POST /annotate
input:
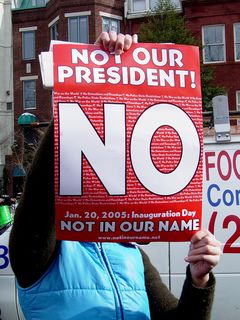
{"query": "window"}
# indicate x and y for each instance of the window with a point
(109, 24)
(139, 5)
(28, 45)
(29, 94)
(238, 104)
(9, 106)
(214, 43)
(146, 5)
(153, 4)
(237, 41)
(38, 2)
(54, 32)
(78, 29)
(53, 26)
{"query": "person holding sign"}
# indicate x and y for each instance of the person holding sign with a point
(88, 280)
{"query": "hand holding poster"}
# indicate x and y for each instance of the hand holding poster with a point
(128, 143)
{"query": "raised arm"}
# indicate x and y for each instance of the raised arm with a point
(32, 240)
(117, 43)
(197, 294)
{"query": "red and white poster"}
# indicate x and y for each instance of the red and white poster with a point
(128, 143)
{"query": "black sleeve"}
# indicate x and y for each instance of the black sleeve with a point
(194, 303)
(32, 240)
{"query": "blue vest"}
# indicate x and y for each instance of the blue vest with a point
(89, 281)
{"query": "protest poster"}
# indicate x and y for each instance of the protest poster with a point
(128, 143)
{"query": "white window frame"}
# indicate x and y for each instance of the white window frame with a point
(24, 80)
(52, 25)
(148, 6)
(55, 20)
(54, 31)
(235, 41)
(77, 14)
(83, 14)
(24, 31)
(216, 44)
(238, 104)
(137, 11)
(34, 3)
(111, 17)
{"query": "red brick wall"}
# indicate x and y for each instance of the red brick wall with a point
(200, 13)
(41, 18)
(43, 110)
(197, 13)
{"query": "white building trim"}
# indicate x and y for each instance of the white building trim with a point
(28, 29)
(109, 15)
(28, 78)
(77, 14)
(53, 21)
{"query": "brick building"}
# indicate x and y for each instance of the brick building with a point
(36, 22)
(217, 25)
(33, 28)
